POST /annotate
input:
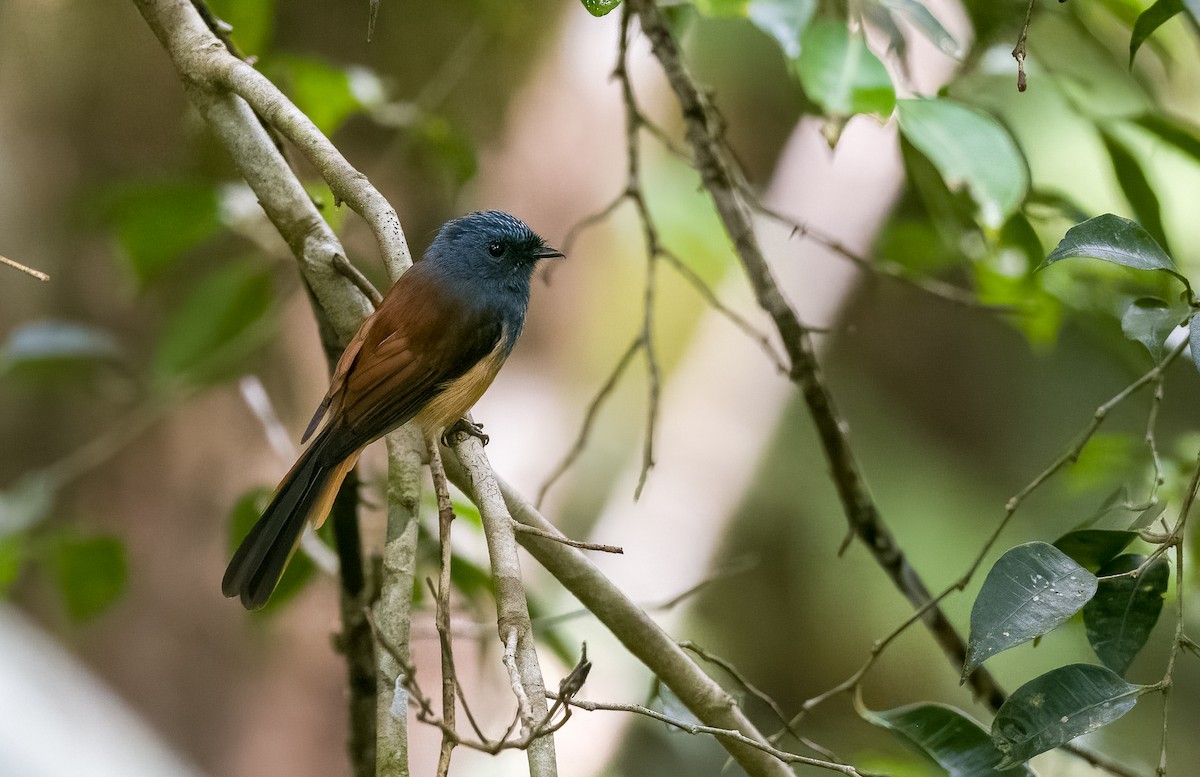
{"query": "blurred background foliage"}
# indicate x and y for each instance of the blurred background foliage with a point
(131, 461)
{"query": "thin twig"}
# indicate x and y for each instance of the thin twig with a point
(1175, 540)
(759, 694)
(933, 286)
(1018, 51)
(723, 733)
(559, 537)
(589, 418)
(442, 593)
(355, 276)
(41, 276)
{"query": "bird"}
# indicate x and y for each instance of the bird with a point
(426, 354)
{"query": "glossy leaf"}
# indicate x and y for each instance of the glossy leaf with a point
(1149, 21)
(600, 7)
(783, 20)
(1093, 548)
(48, 348)
(1030, 590)
(299, 570)
(1053, 709)
(91, 573)
(215, 325)
(971, 151)
(1148, 320)
(1136, 188)
(918, 16)
(1121, 615)
(840, 74)
(157, 222)
(949, 737)
(1111, 238)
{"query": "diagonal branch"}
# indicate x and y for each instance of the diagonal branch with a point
(716, 172)
(629, 623)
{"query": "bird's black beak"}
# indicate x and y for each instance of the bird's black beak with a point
(546, 252)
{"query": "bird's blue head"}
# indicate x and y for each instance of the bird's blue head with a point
(488, 246)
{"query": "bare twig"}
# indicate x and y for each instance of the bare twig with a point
(442, 594)
(1018, 51)
(560, 537)
(41, 276)
(721, 733)
(933, 286)
(589, 418)
(759, 694)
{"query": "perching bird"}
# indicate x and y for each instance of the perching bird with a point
(426, 354)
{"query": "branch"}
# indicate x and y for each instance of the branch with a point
(41, 276)
(716, 172)
(707, 700)
(393, 611)
(721, 733)
(512, 609)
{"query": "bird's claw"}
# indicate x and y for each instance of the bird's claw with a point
(465, 427)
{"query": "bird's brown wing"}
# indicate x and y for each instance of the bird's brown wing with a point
(420, 339)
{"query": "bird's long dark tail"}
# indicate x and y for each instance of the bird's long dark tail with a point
(304, 495)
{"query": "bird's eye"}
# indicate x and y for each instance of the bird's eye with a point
(496, 248)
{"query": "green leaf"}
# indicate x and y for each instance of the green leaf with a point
(1111, 238)
(1148, 320)
(722, 8)
(971, 151)
(919, 16)
(1030, 590)
(156, 222)
(840, 74)
(1149, 21)
(91, 573)
(469, 578)
(56, 348)
(1053, 709)
(451, 147)
(1093, 548)
(253, 23)
(322, 91)
(600, 7)
(1136, 188)
(783, 20)
(215, 326)
(1121, 615)
(1171, 132)
(952, 739)
(1194, 340)
(12, 558)
(298, 571)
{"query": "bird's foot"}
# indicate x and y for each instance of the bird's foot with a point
(466, 427)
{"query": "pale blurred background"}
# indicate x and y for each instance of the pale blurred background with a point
(483, 104)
